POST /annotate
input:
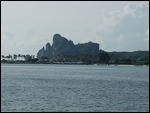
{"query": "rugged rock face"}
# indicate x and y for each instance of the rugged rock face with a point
(88, 48)
(48, 50)
(40, 53)
(62, 46)
(45, 52)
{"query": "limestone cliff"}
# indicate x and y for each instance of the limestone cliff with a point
(63, 46)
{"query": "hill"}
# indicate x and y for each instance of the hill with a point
(63, 46)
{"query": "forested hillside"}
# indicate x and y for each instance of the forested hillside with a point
(136, 57)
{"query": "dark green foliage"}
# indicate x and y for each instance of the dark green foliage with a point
(135, 58)
(103, 57)
(89, 48)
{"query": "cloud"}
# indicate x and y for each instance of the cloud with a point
(118, 29)
(123, 29)
(28, 43)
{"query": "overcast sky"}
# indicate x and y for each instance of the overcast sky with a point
(117, 26)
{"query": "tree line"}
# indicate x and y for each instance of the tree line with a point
(103, 57)
(20, 58)
(135, 58)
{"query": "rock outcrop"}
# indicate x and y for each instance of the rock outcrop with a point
(88, 48)
(63, 46)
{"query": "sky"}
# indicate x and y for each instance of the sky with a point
(26, 26)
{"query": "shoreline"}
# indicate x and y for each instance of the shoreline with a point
(81, 64)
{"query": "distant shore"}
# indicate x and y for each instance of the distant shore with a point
(75, 63)
(102, 58)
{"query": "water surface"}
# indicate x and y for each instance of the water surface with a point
(85, 88)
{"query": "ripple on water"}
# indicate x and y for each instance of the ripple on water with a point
(74, 88)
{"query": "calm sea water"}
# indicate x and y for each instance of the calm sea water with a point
(74, 88)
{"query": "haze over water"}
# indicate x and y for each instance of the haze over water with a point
(74, 88)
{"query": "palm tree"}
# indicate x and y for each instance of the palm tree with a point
(15, 56)
(3, 56)
(19, 56)
(7, 57)
(10, 57)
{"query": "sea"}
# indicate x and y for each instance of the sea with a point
(74, 88)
